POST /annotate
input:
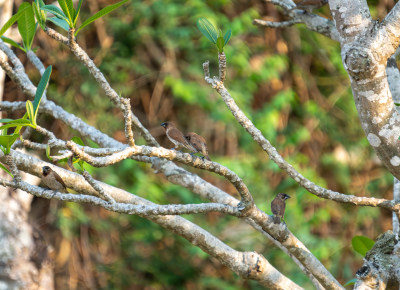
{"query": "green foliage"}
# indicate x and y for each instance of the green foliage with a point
(209, 31)
(350, 282)
(39, 14)
(362, 244)
(26, 25)
(13, 19)
(78, 140)
(101, 13)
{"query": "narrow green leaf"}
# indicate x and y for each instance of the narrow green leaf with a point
(40, 91)
(208, 29)
(14, 123)
(27, 25)
(6, 170)
(101, 13)
(29, 110)
(71, 10)
(78, 140)
(6, 120)
(350, 282)
(7, 141)
(227, 36)
(78, 9)
(362, 244)
(59, 22)
(37, 13)
(65, 9)
(48, 153)
(220, 44)
(55, 11)
(12, 20)
(12, 42)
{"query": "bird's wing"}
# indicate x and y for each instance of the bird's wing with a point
(59, 179)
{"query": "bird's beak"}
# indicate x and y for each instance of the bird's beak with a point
(287, 196)
(163, 124)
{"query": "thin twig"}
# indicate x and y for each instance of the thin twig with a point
(97, 187)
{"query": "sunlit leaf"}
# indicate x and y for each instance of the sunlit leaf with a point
(59, 22)
(220, 44)
(30, 111)
(6, 170)
(26, 24)
(78, 9)
(12, 20)
(55, 11)
(350, 282)
(40, 90)
(12, 42)
(208, 29)
(362, 244)
(78, 140)
(65, 8)
(48, 152)
(227, 36)
(101, 13)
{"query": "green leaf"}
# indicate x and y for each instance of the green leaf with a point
(227, 36)
(78, 9)
(362, 244)
(26, 25)
(40, 90)
(7, 141)
(65, 8)
(208, 29)
(220, 44)
(350, 282)
(101, 13)
(14, 123)
(12, 42)
(78, 140)
(48, 153)
(6, 170)
(71, 10)
(30, 111)
(56, 11)
(38, 15)
(6, 120)
(12, 20)
(59, 22)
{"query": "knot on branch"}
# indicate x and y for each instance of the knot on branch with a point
(360, 63)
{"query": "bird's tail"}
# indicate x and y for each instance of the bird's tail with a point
(277, 220)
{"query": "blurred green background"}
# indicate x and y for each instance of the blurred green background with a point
(291, 84)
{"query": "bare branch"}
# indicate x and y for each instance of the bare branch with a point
(126, 106)
(97, 187)
(272, 24)
(249, 265)
(278, 159)
(101, 80)
(247, 200)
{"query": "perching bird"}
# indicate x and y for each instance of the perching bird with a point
(310, 5)
(176, 137)
(198, 143)
(52, 180)
(278, 207)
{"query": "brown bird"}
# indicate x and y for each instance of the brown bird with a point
(278, 207)
(176, 137)
(310, 5)
(52, 180)
(198, 143)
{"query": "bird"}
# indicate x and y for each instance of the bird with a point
(278, 207)
(310, 5)
(52, 180)
(198, 143)
(176, 137)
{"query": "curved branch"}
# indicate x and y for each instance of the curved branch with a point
(249, 265)
(278, 159)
